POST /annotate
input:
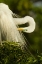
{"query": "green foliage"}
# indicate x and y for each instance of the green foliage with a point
(11, 53)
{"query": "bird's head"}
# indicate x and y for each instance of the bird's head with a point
(31, 26)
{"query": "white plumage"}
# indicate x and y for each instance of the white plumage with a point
(9, 30)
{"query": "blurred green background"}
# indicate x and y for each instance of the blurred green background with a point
(32, 8)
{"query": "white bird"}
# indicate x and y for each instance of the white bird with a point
(8, 26)
(26, 19)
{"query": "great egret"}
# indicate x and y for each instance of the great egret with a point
(8, 26)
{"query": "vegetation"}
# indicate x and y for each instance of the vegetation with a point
(11, 53)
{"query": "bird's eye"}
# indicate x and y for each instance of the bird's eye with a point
(24, 30)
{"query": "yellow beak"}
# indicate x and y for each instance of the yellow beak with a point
(20, 29)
